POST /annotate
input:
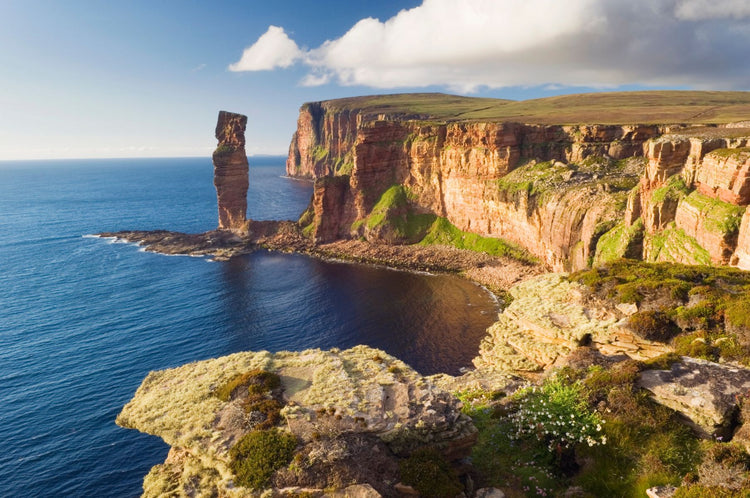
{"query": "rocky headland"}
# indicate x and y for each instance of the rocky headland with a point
(635, 364)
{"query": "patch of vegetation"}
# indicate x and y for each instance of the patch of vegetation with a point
(673, 244)
(621, 241)
(727, 153)
(253, 382)
(645, 444)
(444, 232)
(319, 153)
(605, 108)
(653, 325)
(720, 216)
(710, 305)
(393, 214)
(559, 417)
(533, 178)
(223, 150)
(674, 189)
(427, 471)
(256, 456)
(662, 362)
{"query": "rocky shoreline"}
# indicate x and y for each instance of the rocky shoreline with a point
(493, 272)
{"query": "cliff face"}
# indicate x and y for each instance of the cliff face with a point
(230, 171)
(553, 189)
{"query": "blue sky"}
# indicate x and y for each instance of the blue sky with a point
(147, 78)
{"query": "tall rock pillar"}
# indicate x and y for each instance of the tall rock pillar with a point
(230, 172)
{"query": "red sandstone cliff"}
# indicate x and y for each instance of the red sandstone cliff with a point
(554, 189)
(231, 171)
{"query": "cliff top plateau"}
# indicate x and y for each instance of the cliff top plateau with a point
(644, 107)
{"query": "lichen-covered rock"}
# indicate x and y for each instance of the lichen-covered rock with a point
(548, 319)
(231, 171)
(705, 392)
(327, 394)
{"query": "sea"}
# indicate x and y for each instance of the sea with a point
(84, 319)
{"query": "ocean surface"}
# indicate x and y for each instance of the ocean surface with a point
(83, 320)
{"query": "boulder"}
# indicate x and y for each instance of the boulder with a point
(705, 392)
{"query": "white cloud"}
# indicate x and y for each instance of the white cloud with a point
(273, 49)
(467, 44)
(695, 10)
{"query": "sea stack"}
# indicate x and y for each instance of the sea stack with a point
(230, 172)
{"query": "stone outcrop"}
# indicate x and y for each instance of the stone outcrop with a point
(704, 392)
(335, 403)
(549, 318)
(231, 171)
(553, 189)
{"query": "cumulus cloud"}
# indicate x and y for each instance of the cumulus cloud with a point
(467, 44)
(274, 49)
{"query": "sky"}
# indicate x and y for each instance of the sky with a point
(146, 78)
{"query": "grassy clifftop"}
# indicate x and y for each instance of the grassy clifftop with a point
(645, 107)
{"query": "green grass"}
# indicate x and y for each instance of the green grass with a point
(672, 245)
(674, 189)
(619, 242)
(721, 217)
(645, 444)
(643, 107)
(259, 454)
(444, 232)
(393, 212)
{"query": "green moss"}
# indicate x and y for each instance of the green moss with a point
(646, 444)
(533, 178)
(429, 473)
(710, 304)
(319, 153)
(393, 212)
(444, 232)
(253, 382)
(307, 217)
(259, 454)
(737, 311)
(674, 189)
(621, 241)
(720, 216)
(672, 244)
(223, 150)
(653, 325)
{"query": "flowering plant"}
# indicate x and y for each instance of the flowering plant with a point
(557, 414)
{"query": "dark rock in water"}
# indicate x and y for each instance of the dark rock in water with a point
(231, 171)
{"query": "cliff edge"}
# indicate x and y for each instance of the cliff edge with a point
(659, 176)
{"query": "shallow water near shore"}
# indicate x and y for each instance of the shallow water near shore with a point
(83, 320)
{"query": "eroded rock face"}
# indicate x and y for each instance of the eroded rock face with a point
(455, 170)
(336, 402)
(231, 171)
(705, 392)
(725, 175)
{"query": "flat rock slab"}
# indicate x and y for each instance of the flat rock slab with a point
(703, 391)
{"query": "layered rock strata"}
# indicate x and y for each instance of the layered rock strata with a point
(554, 189)
(231, 171)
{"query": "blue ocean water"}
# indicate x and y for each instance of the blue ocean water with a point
(83, 320)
